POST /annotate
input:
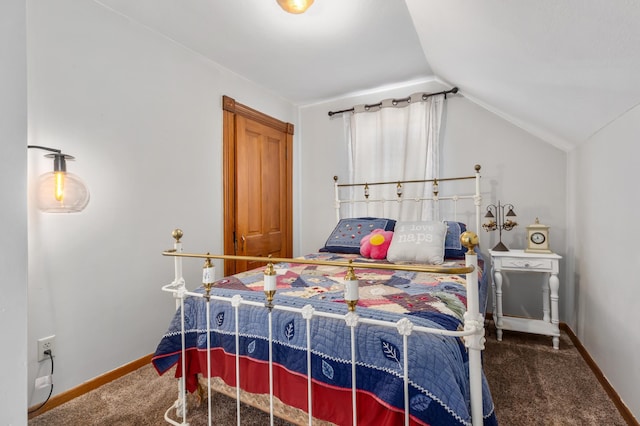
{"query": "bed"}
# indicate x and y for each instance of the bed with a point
(343, 338)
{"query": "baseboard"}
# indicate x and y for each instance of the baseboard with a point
(90, 385)
(627, 415)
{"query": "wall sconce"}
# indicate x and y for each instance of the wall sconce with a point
(60, 191)
(496, 217)
(295, 6)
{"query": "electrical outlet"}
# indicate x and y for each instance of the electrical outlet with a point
(46, 344)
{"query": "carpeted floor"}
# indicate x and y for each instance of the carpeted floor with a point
(141, 398)
(534, 384)
(531, 384)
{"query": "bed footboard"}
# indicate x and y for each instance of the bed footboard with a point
(403, 408)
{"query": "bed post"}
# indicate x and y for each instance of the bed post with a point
(477, 199)
(337, 198)
(473, 321)
(178, 284)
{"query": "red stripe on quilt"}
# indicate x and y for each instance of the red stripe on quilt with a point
(330, 403)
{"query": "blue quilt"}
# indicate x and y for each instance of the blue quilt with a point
(439, 387)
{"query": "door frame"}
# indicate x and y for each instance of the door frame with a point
(231, 109)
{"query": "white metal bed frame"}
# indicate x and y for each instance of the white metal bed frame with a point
(435, 196)
(473, 333)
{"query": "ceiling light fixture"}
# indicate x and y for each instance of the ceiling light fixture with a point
(60, 191)
(295, 6)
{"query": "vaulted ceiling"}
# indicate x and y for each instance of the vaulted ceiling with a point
(560, 69)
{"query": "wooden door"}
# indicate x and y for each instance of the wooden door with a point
(258, 182)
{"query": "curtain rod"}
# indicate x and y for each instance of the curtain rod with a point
(395, 101)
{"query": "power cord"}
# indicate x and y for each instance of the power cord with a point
(47, 352)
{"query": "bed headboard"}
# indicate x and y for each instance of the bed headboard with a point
(430, 199)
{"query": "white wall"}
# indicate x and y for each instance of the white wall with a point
(143, 117)
(13, 215)
(517, 168)
(607, 285)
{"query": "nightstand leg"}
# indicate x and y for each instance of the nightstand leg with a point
(493, 296)
(545, 301)
(498, 286)
(554, 285)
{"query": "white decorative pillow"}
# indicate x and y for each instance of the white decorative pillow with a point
(418, 242)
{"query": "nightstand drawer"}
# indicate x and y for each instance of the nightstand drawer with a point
(520, 264)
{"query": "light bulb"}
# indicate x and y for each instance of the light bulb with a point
(58, 191)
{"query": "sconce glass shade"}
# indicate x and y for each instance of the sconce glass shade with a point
(61, 192)
(295, 6)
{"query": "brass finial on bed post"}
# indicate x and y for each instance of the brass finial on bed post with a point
(177, 234)
(469, 240)
(351, 295)
(269, 284)
(207, 278)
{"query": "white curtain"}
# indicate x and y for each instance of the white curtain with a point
(393, 143)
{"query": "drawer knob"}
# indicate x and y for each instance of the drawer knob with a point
(526, 265)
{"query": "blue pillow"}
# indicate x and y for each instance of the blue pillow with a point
(347, 234)
(453, 248)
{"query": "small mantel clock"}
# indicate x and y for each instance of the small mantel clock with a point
(537, 238)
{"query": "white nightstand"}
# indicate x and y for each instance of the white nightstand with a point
(519, 260)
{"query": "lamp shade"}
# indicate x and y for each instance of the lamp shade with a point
(61, 192)
(295, 6)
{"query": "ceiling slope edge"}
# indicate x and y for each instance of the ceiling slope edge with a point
(192, 51)
(373, 91)
(538, 132)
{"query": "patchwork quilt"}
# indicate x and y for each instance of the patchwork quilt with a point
(438, 366)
